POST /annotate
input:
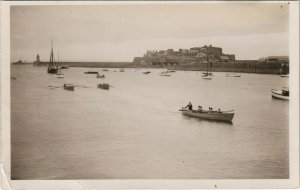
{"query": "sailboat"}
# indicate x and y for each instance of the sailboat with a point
(52, 67)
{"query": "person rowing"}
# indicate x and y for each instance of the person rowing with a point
(189, 106)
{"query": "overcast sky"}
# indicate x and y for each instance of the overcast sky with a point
(122, 32)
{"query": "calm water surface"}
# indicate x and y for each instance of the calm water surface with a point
(135, 131)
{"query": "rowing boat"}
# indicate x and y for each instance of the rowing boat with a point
(69, 87)
(104, 86)
(210, 115)
(280, 94)
(100, 76)
(164, 74)
(206, 77)
(91, 72)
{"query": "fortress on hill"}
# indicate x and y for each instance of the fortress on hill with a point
(184, 56)
(202, 58)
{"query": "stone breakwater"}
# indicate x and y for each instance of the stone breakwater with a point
(243, 66)
(237, 66)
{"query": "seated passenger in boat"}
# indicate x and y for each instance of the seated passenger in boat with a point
(285, 93)
(219, 111)
(200, 108)
(189, 106)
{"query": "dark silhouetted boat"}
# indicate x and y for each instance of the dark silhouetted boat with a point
(91, 72)
(69, 87)
(100, 76)
(104, 86)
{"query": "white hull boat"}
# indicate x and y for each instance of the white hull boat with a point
(233, 75)
(285, 75)
(280, 94)
(60, 76)
(206, 77)
(210, 115)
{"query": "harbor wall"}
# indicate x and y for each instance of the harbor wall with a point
(243, 66)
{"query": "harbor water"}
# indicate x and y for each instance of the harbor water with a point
(135, 130)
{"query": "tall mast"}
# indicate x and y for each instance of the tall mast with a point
(207, 60)
(51, 55)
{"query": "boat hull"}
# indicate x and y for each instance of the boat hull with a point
(52, 70)
(232, 75)
(103, 86)
(206, 77)
(68, 87)
(64, 67)
(285, 76)
(209, 115)
(91, 72)
(278, 94)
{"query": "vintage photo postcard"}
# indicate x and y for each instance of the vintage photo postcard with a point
(162, 94)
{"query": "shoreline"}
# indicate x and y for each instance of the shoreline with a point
(176, 68)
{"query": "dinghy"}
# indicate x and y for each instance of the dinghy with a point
(280, 94)
(69, 87)
(104, 86)
(100, 76)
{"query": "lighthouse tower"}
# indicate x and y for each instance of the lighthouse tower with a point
(37, 58)
(37, 61)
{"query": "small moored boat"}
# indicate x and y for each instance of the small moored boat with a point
(100, 76)
(233, 75)
(104, 86)
(64, 67)
(146, 72)
(69, 86)
(60, 76)
(91, 72)
(210, 115)
(164, 74)
(105, 70)
(285, 75)
(206, 77)
(207, 74)
(122, 70)
(280, 94)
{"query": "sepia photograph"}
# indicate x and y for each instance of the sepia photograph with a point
(169, 91)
